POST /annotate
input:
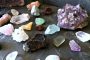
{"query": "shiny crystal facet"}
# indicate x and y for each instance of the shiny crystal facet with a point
(83, 36)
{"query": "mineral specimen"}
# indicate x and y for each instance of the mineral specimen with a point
(83, 36)
(12, 55)
(36, 3)
(37, 42)
(4, 19)
(74, 46)
(58, 41)
(51, 29)
(20, 18)
(39, 27)
(10, 3)
(72, 17)
(19, 35)
(39, 21)
(7, 29)
(35, 11)
(47, 11)
(52, 57)
(27, 26)
(14, 12)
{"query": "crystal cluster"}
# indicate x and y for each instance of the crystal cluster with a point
(19, 35)
(74, 46)
(72, 17)
(20, 18)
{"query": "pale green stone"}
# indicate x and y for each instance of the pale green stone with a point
(58, 41)
(39, 21)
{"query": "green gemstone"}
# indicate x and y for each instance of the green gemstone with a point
(58, 41)
(39, 21)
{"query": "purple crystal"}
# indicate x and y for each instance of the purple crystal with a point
(72, 17)
(74, 46)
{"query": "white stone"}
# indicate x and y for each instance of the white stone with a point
(12, 55)
(25, 47)
(83, 36)
(14, 12)
(19, 35)
(20, 18)
(52, 57)
(51, 29)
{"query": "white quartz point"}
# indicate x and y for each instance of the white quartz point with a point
(20, 18)
(51, 29)
(35, 11)
(12, 55)
(52, 57)
(19, 35)
(83, 36)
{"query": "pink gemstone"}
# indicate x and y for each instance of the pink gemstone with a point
(7, 29)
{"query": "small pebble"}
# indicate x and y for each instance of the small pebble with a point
(14, 12)
(47, 11)
(39, 27)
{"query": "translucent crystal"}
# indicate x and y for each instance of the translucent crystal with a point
(51, 29)
(20, 18)
(7, 29)
(74, 46)
(35, 11)
(19, 35)
(14, 12)
(58, 41)
(52, 57)
(83, 36)
(12, 55)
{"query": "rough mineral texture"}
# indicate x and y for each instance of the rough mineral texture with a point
(37, 42)
(72, 17)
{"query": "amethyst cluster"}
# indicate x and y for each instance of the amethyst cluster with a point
(72, 17)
